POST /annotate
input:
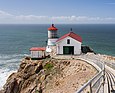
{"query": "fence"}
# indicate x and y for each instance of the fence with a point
(112, 65)
(96, 84)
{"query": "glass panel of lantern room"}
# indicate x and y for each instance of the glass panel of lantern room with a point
(54, 34)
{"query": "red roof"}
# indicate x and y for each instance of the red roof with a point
(72, 35)
(37, 49)
(52, 28)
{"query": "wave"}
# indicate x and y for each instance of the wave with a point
(3, 56)
(4, 74)
(8, 65)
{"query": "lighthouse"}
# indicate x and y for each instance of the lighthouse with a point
(52, 37)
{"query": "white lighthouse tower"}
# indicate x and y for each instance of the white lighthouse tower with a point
(52, 37)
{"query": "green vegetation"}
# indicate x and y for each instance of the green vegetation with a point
(36, 91)
(48, 66)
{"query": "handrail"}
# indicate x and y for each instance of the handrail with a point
(88, 83)
(112, 65)
(98, 78)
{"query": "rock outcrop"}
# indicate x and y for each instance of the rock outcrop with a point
(87, 49)
(49, 76)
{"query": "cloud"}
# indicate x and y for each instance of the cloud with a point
(4, 14)
(30, 17)
(83, 19)
(7, 18)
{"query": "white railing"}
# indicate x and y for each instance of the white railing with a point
(96, 84)
(112, 65)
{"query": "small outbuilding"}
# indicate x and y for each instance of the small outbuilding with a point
(38, 52)
(69, 44)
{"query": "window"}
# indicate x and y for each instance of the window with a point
(68, 41)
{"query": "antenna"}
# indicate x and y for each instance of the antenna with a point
(52, 25)
(71, 29)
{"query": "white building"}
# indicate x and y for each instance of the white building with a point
(38, 52)
(69, 44)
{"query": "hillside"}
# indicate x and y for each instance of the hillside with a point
(49, 76)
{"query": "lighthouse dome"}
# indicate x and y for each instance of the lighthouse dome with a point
(52, 28)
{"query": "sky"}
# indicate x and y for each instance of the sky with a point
(57, 11)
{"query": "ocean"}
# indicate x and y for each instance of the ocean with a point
(16, 40)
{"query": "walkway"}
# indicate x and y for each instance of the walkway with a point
(109, 84)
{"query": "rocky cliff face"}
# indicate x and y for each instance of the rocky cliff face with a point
(49, 76)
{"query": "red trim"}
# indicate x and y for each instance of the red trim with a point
(72, 35)
(52, 28)
(37, 49)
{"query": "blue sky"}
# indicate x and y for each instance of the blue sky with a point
(57, 11)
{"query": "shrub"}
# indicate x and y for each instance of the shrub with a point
(48, 66)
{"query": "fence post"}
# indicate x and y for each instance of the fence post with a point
(103, 75)
(90, 87)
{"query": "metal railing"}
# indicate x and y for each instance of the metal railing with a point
(96, 84)
(110, 64)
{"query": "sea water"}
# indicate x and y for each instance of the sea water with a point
(16, 40)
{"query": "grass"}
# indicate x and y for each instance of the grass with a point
(48, 66)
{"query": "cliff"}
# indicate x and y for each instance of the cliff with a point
(49, 76)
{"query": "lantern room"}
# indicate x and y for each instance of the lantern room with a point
(52, 32)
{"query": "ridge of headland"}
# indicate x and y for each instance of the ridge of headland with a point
(49, 76)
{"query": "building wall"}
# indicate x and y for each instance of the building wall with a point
(52, 41)
(73, 42)
(37, 54)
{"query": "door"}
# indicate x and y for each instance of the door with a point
(68, 50)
